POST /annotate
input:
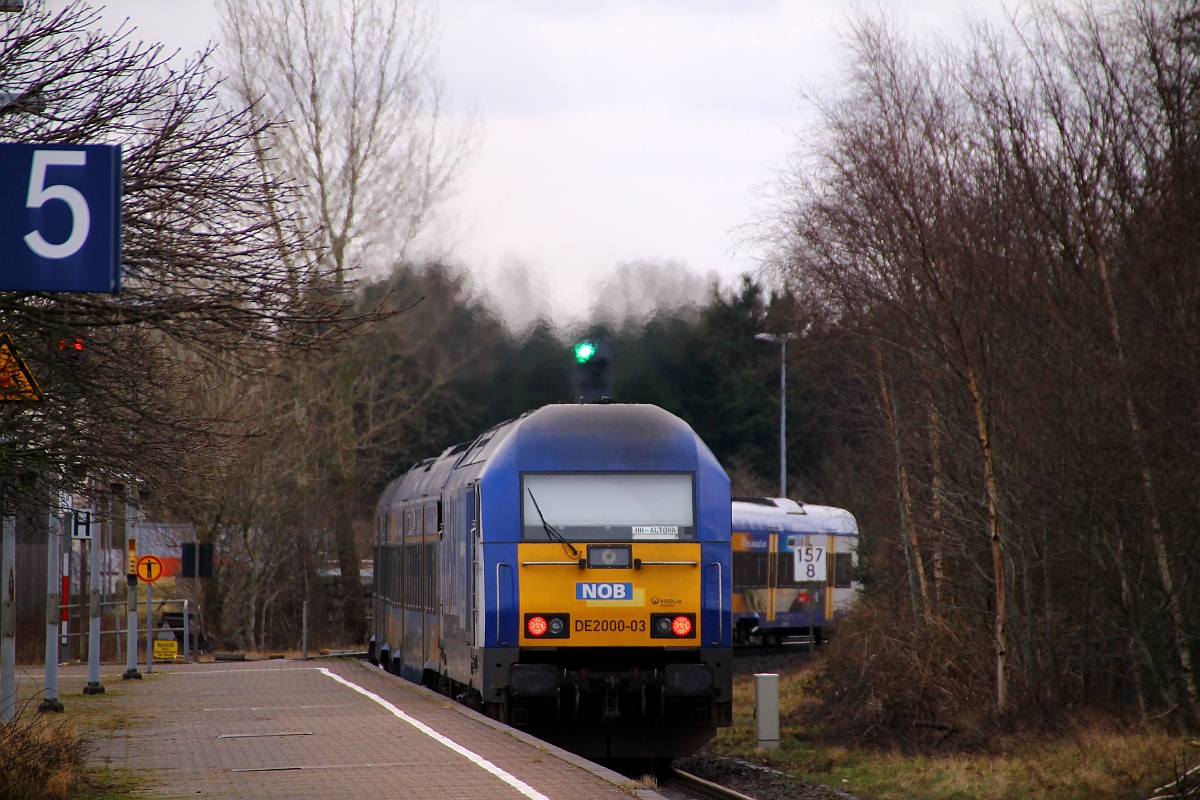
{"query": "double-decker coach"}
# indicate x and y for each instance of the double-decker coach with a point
(793, 568)
(569, 572)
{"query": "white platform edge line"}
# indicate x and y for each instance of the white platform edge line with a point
(511, 780)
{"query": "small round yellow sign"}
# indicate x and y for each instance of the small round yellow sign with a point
(149, 569)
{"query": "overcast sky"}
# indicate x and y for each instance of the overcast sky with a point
(612, 130)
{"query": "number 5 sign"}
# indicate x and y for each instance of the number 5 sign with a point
(60, 218)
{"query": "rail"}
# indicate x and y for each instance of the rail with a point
(680, 785)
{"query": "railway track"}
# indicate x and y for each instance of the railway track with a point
(679, 785)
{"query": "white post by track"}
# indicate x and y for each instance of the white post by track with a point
(187, 627)
(8, 619)
(55, 532)
(766, 710)
(93, 685)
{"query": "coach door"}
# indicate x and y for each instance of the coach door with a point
(471, 542)
(414, 629)
(429, 584)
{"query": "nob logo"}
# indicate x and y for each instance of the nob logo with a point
(603, 591)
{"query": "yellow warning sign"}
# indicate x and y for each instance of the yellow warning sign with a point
(17, 384)
(149, 569)
(165, 649)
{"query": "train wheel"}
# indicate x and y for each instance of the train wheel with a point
(498, 711)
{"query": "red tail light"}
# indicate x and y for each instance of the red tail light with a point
(548, 626)
(672, 626)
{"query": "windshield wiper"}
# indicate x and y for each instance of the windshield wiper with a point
(551, 531)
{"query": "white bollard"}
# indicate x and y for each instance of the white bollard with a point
(766, 709)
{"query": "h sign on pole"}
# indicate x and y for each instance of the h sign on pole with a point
(60, 218)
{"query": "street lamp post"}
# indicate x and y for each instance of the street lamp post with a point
(782, 340)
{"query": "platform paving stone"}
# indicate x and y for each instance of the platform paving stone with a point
(284, 729)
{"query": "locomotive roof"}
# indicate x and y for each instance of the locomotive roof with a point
(787, 516)
(596, 436)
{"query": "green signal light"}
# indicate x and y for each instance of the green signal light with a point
(584, 352)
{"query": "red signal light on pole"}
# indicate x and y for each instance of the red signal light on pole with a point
(70, 348)
(537, 626)
(681, 626)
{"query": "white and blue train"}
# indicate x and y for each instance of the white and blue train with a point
(794, 568)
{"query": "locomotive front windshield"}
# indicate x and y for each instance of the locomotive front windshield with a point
(608, 506)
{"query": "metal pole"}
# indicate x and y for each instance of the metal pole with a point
(8, 619)
(812, 622)
(782, 339)
(131, 625)
(112, 564)
(56, 529)
(149, 628)
(304, 637)
(64, 652)
(187, 649)
(783, 417)
(93, 685)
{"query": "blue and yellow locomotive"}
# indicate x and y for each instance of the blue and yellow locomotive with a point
(569, 572)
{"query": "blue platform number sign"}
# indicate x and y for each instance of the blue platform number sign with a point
(60, 218)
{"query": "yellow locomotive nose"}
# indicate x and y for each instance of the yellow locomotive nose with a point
(644, 594)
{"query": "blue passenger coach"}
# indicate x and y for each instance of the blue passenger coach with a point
(568, 572)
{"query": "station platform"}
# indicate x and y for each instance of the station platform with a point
(321, 730)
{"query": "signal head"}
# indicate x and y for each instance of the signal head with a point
(584, 352)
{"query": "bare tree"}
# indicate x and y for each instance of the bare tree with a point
(363, 129)
(1011, 224)
(206, 285)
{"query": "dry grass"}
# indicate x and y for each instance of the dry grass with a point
(1093, 758)
(40, 758)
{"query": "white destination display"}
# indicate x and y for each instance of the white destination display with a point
(656, 531)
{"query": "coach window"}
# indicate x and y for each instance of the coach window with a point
(609, 506)
(843, 564)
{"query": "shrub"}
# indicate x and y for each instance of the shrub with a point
(40, 759)
(885, 681)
